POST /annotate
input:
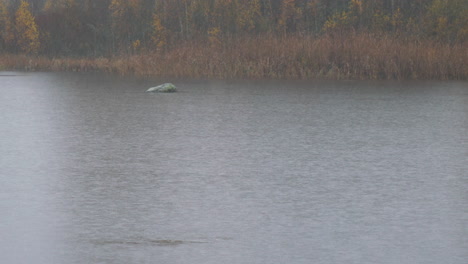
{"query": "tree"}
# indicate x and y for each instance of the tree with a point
(159, 33)
(125, 15)
(6, 28)
(289, 17)
(312, 15)
(58, 4)
(27, 34)
(249, 11)
(63, 29)
(199, 16)
(448, 20)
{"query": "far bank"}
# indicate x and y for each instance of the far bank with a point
(357, 56)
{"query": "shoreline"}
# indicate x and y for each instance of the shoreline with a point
(353, 57)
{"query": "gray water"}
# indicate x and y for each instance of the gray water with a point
(95, 170)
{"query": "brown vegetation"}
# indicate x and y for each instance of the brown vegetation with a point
(354, 56)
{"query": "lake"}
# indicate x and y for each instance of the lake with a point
(95, 170)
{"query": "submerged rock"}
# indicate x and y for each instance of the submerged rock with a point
(163, 88)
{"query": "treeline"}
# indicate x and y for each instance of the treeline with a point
(106, 27)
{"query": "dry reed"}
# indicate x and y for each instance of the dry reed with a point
(358, 56)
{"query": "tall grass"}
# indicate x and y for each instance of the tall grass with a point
(355, 56)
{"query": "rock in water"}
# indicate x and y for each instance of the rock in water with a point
(163, 88)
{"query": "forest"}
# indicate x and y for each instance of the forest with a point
(240, 39)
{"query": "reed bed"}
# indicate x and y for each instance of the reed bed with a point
(355, 56)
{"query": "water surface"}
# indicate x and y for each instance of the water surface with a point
(95, 170)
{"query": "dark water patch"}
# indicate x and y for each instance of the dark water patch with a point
(149, 242)
(10, 75)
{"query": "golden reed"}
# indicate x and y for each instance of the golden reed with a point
(353, 56)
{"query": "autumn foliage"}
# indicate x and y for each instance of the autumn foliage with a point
(27, 34)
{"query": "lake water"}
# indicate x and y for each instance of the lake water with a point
(95, 170)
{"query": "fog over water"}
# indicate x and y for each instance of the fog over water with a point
(95, 170)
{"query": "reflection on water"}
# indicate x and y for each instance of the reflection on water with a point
(95, 170)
